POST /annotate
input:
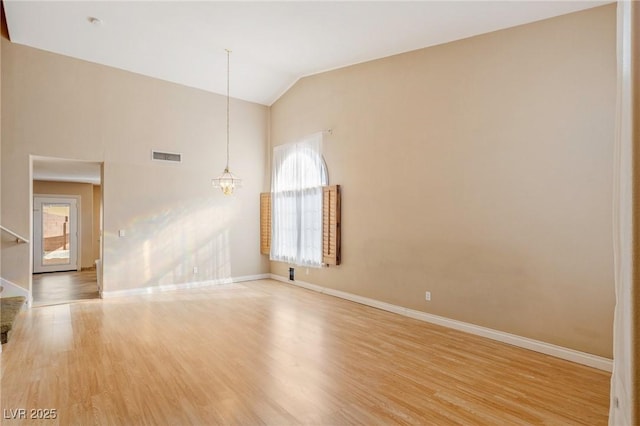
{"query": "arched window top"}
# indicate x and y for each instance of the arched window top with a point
(301, 170)
(299, 166)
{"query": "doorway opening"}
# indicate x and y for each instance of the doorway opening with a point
(54, 288)
(66, 230)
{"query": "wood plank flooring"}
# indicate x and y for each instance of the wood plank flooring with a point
(63, 287)
(264, 352)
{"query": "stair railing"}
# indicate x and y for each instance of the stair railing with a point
(19, 238)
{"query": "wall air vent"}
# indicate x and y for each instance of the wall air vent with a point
(166, 156)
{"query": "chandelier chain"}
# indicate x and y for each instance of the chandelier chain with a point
(227, 181)
(228, 58)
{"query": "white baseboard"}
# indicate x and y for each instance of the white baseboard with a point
(584, 358)
(10, 289)
(183, 286)
(251, 278)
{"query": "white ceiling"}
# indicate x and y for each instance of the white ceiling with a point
(274, 43)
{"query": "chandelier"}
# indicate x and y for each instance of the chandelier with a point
(227, 181)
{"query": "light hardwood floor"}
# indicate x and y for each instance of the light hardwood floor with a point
(63, 287)
(264, 352)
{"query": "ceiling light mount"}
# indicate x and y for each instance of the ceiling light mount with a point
(94, 21)
(227, 181)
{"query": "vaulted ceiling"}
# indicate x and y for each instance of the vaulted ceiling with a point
(274, 43)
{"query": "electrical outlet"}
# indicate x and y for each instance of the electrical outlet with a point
(427, 296)
(195, 269)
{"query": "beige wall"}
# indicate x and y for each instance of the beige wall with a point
(479, 170)
(85, 192)
(173, 219)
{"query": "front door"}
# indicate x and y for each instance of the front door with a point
(55, 234)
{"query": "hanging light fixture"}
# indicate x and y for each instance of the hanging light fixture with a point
(227, 181)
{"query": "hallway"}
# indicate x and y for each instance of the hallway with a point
(64, 287)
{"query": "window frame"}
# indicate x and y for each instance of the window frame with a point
(300, 241)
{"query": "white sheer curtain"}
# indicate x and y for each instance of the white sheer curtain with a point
(298, 174)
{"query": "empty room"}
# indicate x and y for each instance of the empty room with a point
(283, 213)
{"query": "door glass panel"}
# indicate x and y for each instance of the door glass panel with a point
(55, 234)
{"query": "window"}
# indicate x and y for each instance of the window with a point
(298, 175)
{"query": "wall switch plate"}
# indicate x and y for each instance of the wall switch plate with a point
(121, 233)
(195, 269)
(427, 296)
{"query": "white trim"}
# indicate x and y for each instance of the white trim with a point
(579, 357)
(30, 213)
(251, 278)
(183, 286)
(11, 289)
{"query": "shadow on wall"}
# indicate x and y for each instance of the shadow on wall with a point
(176, 245)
